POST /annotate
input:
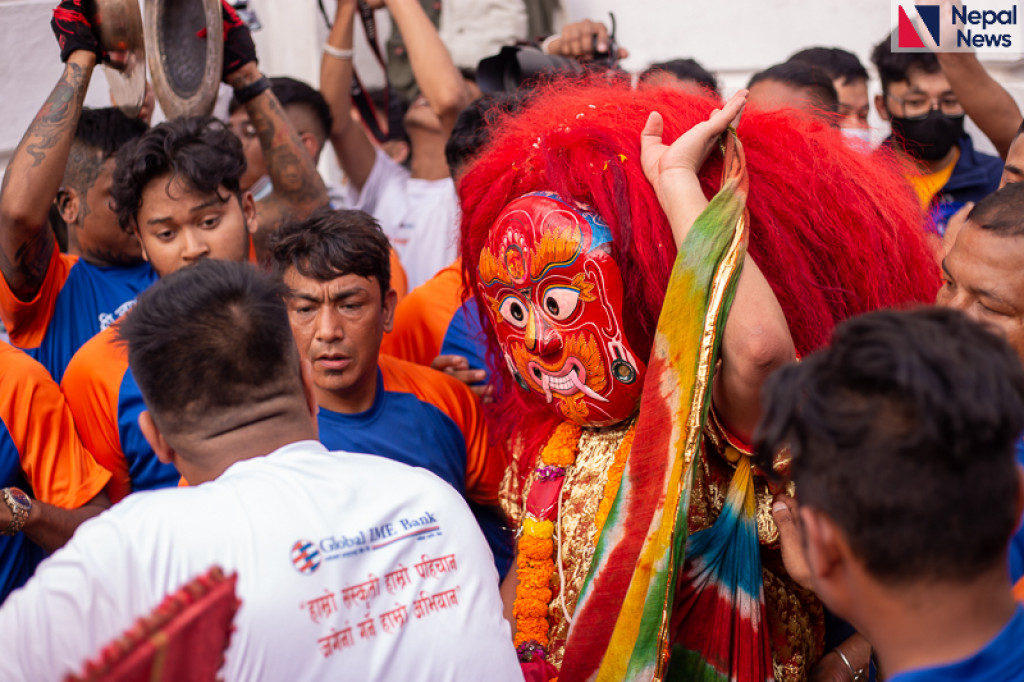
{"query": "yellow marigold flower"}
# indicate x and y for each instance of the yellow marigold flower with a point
(537, 529)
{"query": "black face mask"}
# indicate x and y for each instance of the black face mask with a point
(929, 138)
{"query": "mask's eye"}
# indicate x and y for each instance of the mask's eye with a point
(513, 310)
(560, 302)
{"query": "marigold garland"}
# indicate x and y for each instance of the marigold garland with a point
(535, 564)
(611, 486)
(563, 446)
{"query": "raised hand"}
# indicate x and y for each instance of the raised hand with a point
(73, 30)
(672, 168)
(239, 49)
(689, 151)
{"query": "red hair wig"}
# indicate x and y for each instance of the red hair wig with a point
(835, 231)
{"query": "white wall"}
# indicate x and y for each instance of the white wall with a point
(733, 38)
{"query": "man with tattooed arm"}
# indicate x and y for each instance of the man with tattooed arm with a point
(177, 190)
(52, 303)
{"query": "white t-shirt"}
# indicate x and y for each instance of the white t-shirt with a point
(420, 217)
(349, 567)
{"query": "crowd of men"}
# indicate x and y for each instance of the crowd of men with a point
(203, 334)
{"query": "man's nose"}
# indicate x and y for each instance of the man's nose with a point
(195, 245)
(328, 326)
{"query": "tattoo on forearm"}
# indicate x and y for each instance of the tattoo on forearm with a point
(25, 274)
(53, 120)
(291, 169)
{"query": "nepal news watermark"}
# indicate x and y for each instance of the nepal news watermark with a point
(987, 27)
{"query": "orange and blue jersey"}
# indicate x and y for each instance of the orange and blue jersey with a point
(428, 419)
(40, 452)
(75, 302)
(422, 317)
(106, 403)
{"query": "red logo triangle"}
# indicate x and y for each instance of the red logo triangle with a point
(907, 34)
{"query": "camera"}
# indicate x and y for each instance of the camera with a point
(516, 64)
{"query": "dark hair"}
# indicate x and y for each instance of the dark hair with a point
(473, 126)
(1001, 212)
(209, 338)
(99, 135)
(835, 62)
(330, 244)
(903, 432)
(684, 69)
(291, 92)
(802, 75)
(200, 150)
(894, 67)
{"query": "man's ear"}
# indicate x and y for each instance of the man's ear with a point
(880, 107)
(67, 203)
(390, 302)
(311, 144)
(249, 212)
(164, 452)
(824, 545)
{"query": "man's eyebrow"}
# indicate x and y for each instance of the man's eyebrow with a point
(337, 296)
(1010, 168)
(347, 293)
(212, 201)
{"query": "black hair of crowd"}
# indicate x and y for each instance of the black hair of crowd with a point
(903, 432)
(333, 243)
(201, 151)
(802, 75)
(1001, 212)
(836, 62)
(107, 130)
(209, 337)
(472, 129)
(684, 69)
(895, 67)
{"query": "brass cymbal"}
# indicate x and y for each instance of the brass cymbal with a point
(119, 26)
(185, 68)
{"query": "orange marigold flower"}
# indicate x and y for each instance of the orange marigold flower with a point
(529, 608)
(563, 446)
(540, 594)
(532, 628)
(535, 580)
(537, 549)
(524, 561)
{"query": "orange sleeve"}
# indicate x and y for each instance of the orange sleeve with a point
(1018, 591)
(57, 465)
(27, 321)
(91, 384)
(485, 466)
(422, 317)
(399, 280)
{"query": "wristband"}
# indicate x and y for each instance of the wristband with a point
(252, 90)
(545, 46)
(338, 52)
